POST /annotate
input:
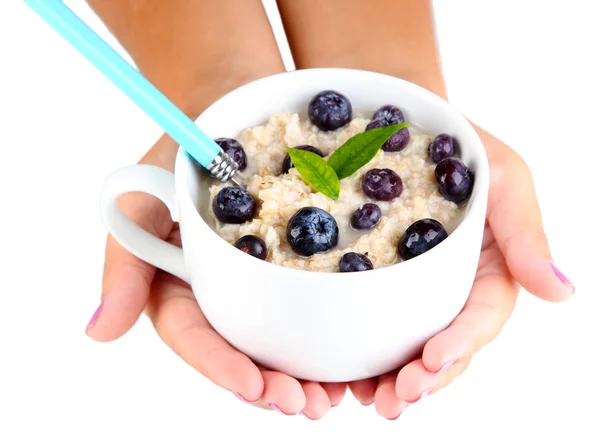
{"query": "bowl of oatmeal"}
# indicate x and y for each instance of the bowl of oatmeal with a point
(376, 205)
(309, 268)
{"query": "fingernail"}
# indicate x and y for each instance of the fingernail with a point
(311, 419)
(95, 316)
(274, 407)
(241, 397)
(446, 366)
(367, 404)
(396, 417)
(562, 277)
(425, 394)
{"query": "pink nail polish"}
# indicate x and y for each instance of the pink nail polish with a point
(562, 277)
(311, 419)
(274, 407)
(396, 417)
(446, 366)
(425, 394)
(241, 397)
(95, 316)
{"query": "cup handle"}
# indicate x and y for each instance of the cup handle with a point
(144, 245)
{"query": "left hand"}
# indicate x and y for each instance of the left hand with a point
(514, 252)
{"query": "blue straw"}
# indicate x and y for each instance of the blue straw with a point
(145, 95)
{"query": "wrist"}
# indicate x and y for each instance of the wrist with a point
(192, 51)
(426, 74)
(429, 77)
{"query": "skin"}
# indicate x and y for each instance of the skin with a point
(196, 51)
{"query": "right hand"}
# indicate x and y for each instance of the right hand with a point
(131, 286)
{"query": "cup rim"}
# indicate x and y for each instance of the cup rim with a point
(478, 197)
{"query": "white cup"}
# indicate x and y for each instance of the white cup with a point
(326, 327)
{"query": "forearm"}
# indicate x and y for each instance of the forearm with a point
(393, 37)
(193, 51)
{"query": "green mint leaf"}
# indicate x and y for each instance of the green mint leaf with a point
(316, 172)
(360, 149)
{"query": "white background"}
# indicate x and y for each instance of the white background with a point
(526, 70)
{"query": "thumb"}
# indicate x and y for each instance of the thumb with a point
(127, 279)
(516, 222)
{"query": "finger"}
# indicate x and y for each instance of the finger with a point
(488, 307)
(180, 323)
(387, 403)
(516, 222)
(126, 279)
(448, 375)
(364, 390)
(317, 401)
(335, 392)
(282, 393)
(414, 381)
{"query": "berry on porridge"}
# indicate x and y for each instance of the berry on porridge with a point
(329, 110)
(366, 217)
(420, 237)
(455, 180)
(390, 115)
(252, 245)
(382, 184)
(233, 205)
(340, 191)
(234, 149)
(355, 262)
(312, 230)
(441, 147)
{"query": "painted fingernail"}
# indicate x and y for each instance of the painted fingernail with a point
(425, 394)
(241, 397)
(95, 316)
(446, 366)
(562, 277)
(274, 407)
(311, 419)
(396, 417)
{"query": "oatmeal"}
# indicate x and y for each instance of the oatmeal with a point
(279, 196)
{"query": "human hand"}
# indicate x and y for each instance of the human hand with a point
(514, 252)
(131, 286)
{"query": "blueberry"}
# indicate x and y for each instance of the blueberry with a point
(455, 180)
(397, 142)
(382, 184)
(442, 146)
(312, 230)
(329, 110)
(252, 245)
(234, 149)
(355, 262)
(287, 161)
(399, 139)
(392, 114)
(420, 237)
(377, 123)
(366, 217)
(234, 205)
